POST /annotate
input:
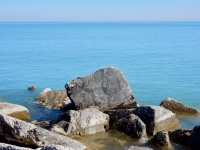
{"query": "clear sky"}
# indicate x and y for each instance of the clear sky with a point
(99, 10)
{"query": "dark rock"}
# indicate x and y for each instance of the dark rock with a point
(161, 140)
(57, 98)
(31, 88)
(177, 107)
(156, 118)
(188, 138)
(21, 132)
(87, 121)
(137, 148)
(131, 125)
(14, 110)
(104, 89)
(115, 115)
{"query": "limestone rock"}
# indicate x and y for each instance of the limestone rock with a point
(177, 107)
(14, 110)
(55, 98)
(156, 118)
(104, 89)
(161, 140)
(131, 125)
(31, 88)
(21, 132)
(117, 114)
(55, 147)
(4, 146)
(87, 121)
(137, 148)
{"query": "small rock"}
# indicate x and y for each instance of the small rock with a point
(161, 140)
(31, 88)
(131, 125)
(137, 148)
(177, 107)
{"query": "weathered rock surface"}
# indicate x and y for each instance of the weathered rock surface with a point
(4, 146)
(55, 98)
(87, 121)
(64, 128)
(55, 147)
(117, 114)
(104, 89)
(40, 124)
(188, 138)
(24, 133)
(156, 118)
(131, 125)
(137, 148)
(14, 110)
(31, 88)
(161, 140)
(177, 107)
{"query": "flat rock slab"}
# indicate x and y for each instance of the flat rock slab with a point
(14, 110)
(15, 130)
(105, 89)
(156, 118)
(86, 121)
(178, 108)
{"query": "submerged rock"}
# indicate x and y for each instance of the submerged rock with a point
(104, 89)
(177, 107)
(137, 148)
(24, 133)
(86, 121)
(161, 140)
(31, 88)
(156, 118)
(14, 110)
(131, 125)
(55, 98)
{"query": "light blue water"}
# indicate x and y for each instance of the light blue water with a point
(159, 60)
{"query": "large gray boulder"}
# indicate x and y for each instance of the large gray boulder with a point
(131, 125)
(24, 133)
(117, 114)
(14, 110)
(156, 118)
(86, 121)
(56, 98)
(105, 89)
(177, 108)
(55, 147)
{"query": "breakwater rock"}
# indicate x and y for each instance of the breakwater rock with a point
(17, 131)
(14, 110)
(105, 89)
(178, 108)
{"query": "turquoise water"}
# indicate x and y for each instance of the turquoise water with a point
(159, 60)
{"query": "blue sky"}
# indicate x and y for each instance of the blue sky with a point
(99, 10)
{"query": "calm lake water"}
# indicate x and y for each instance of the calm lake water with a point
(158, 59)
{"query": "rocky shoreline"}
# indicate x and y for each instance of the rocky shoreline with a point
(94, 104)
